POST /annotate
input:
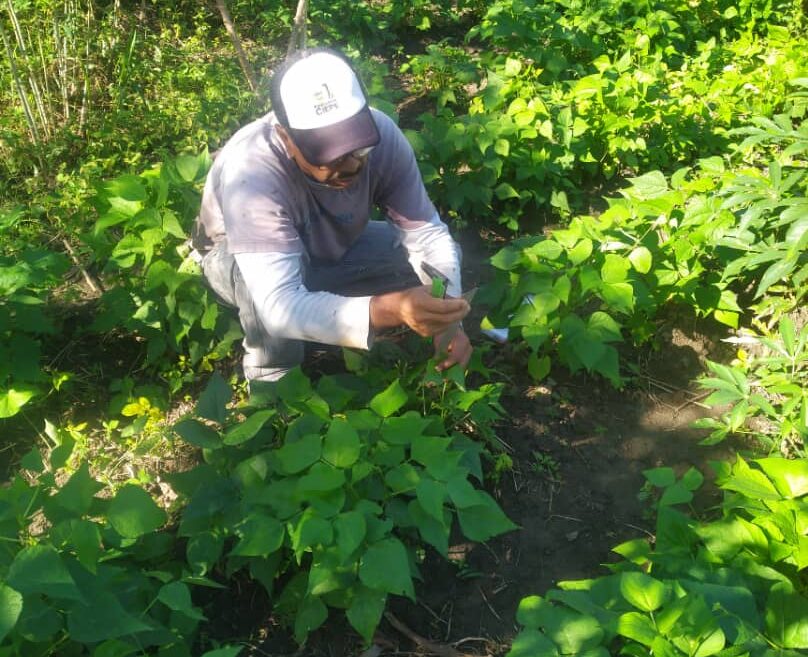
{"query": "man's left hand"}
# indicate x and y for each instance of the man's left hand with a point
(457, 351)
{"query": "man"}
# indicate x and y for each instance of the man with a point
(285, 230)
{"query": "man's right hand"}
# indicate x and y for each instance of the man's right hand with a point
(418, 309)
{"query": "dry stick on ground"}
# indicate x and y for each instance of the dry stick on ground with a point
(242, 58)
(421, 642)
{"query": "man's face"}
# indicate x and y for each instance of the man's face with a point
(340, 173)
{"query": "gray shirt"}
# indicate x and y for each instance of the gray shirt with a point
(258, 198)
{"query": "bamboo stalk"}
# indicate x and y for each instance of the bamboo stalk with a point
(26, 107)
(32, 81)
(242, 57)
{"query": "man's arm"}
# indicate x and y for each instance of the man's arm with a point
(287, 309)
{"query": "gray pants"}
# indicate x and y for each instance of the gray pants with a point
(375, 264)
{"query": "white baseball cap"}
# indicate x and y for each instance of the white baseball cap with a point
(318, 98)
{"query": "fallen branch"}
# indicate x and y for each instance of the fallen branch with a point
(425, 644)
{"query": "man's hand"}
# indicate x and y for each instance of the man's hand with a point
(418, 309)
(457, 351)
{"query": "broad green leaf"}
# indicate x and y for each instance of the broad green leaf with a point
(462, 493)
(571, 631)
(402, 430)
(321, 478)
(615, 268)
(431, 494)
(39, 621)
(580, 252)
(342, 445)
(531, 611)
(296, 457)
(227, 651)
(247, 430)
(177, 597)
(389, 400)
(261, 535)
(13, 399)
(310, 530)
(484, 521)
(648, 186)
(643, 591)
(385, 567)
(660, 477)
(310, 615)
(403, 478)
(350, 528)
(10, 608)
(432, 531)
(637, 627)
(752, 483)
(77, 494)
(429, 450)
(85, 537)
(213, 401)
(641, 259)
(532, 643)
(676, 494)
(786, 617)
(366, 611)
(198, 434)
(187, 167)
(102, 618)
(39, 569)
(133, 512)
(203, 551)
(790, 477)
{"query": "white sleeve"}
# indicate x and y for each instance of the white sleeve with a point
(432, 243)
(288, 310)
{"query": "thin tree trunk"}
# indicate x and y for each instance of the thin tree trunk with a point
(32, 82)
(29, 116)
(242, 58)
(298, 39)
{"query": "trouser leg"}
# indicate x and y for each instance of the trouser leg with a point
(266, 358)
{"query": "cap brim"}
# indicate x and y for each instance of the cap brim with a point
(323, 145)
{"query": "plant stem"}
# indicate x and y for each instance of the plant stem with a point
(242, 57)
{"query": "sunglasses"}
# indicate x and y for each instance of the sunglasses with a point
(359, 154)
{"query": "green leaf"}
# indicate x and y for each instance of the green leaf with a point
(320, 479)
(402, 430)
(310, 615)
(342, 445)
(39, 569)
(227, 651)
(133, 512)
(177, 597)
(389, 400)
(484, 521)
(13, 399)
(532, 643)
(531, 611)
(350, 528)
(214, 399)
(637, 627)
(502, 147)
(77, 494)
(648, 186)
(643, 591)
(503, 192)
(580, 252)
(187, 167)
(660, 477)
(790, 477)
(198, 434)
(641, 259)
(786, 616)
(261, 535)
(366, 611)
(296, 457)
(676, 494)
(311, 530)
(101, 619)
(385, 567)
(431, 495)
(85, 536)
(10, 608)
(615, 269)
(247, 430)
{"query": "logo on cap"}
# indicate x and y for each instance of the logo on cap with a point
(324, 100)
